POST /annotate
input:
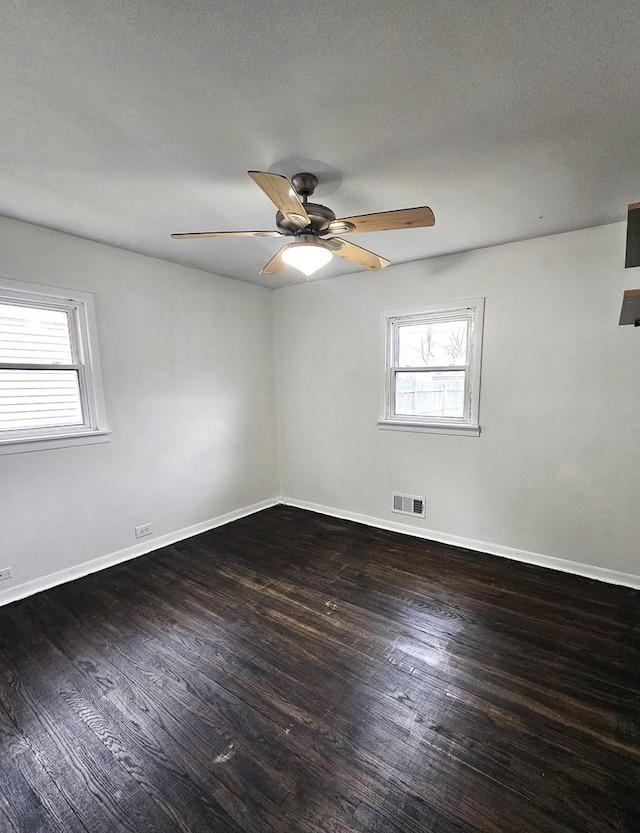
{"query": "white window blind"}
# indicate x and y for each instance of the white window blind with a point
(49, 376)
(34, 335)
(39, 384)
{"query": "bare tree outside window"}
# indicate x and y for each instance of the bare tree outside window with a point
(457, 346)
(433, 344)
(426, 346)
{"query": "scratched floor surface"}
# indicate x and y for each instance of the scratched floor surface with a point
(295, 673)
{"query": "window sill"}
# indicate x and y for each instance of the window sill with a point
(433, 428)
(43, 443)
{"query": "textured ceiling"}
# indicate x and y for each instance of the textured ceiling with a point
(125, 121)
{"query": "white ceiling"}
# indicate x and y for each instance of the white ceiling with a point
(125, 121)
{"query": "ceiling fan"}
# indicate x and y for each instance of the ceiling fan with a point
(309, 223)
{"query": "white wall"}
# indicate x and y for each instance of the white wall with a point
(556, 470)
(189, 383)
(188, 374)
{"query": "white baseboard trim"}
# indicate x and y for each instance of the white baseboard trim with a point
(28, 588)
(564, 565)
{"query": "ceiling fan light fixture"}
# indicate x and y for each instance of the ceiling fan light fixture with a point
(307, 255)
(307, 222)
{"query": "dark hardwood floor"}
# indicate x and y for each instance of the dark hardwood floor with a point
(293, 672)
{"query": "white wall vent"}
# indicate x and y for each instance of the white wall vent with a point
(409, 504)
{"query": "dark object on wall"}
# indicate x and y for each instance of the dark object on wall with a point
(633, 236)
(630, 312)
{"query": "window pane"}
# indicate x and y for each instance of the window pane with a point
(437, 394)
(39, 399)
(32, 335)
(441, 344)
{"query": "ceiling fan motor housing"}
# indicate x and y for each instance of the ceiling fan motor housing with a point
(320, 217)
(304, 185)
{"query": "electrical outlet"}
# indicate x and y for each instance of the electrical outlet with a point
(5, 572)
(143, 530)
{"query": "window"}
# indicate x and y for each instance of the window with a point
(432, 368)
(50, 385)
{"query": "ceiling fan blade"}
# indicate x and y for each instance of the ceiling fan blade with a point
(276, 263)
(384, 221)
(280, 192)
(188, 234)
(363, 257)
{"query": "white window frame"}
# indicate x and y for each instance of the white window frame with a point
(469, 425)
(80, 307)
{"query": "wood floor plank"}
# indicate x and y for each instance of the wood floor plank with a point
(107, 793)
(184, 682)
(560, 717)
(259, 720)
(30, 799)
(296, 673)
(217, 753)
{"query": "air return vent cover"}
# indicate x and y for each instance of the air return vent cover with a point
(409, 504)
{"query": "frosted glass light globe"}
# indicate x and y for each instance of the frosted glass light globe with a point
(307, 257)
